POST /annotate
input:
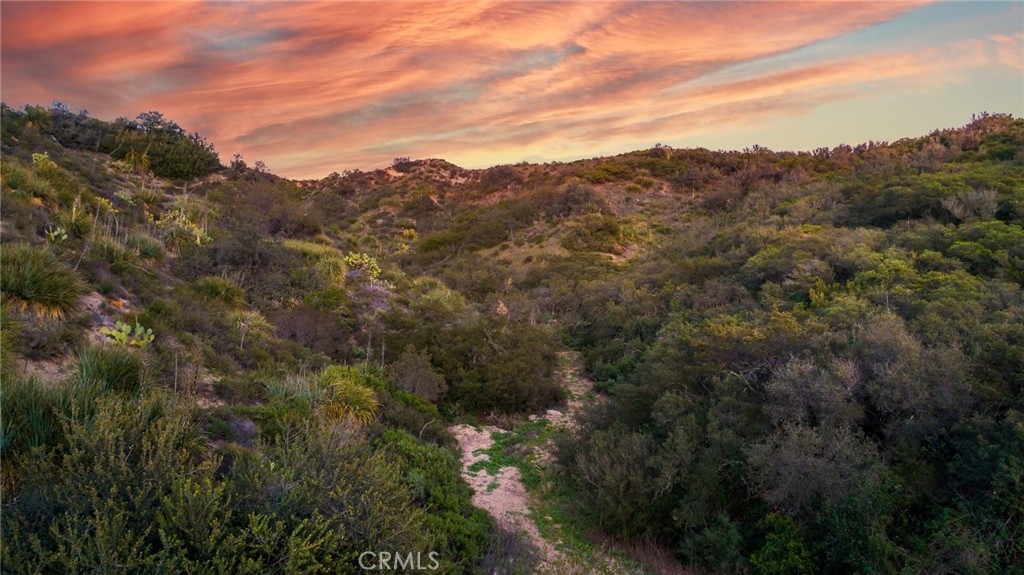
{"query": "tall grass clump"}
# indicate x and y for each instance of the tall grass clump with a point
(34, 281)
(148, 248)
(14, 175)
(305, 390)
(76, 219)
(10, 328)
(214, 288)
(28, 414)
(33, 412)
(110, 369)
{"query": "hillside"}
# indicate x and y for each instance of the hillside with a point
(804, 362)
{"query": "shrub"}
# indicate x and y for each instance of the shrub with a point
(413, 373)
(460, 531)
(91, 506)
(250, 323)
(785, 549)
(34, 281)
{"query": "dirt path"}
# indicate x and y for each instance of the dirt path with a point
(503, 495)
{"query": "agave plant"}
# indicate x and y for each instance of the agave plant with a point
(34, 281)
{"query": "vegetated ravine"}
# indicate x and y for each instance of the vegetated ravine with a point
(801, 362)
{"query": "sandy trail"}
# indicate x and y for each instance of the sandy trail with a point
(503, 495)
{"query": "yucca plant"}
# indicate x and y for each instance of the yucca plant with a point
(347, 397)
(34, 281)
(110, 369)
(251, 323)
(75, 219)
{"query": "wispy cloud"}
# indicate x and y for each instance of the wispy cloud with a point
(320, 86)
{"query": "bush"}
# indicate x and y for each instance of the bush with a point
(460, 531)
(785, 550)
(33, 280)
(91, 506)
(413, 373)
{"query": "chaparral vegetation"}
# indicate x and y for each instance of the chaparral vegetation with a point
(804, 362)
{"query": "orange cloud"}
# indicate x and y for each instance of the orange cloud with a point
(321, 86)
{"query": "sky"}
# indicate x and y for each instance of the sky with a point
(311, 88)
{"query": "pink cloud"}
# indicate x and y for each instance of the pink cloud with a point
(322, 86)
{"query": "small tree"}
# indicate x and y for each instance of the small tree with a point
(972, 205)
(413, 373)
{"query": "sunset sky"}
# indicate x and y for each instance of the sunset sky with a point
(316, 87)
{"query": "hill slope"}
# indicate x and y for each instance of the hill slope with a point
(813, 362)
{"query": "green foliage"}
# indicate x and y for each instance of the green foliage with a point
(152, 498)
(34, 281)
(364, 264)
(123, 334)
(146, 247)
(596, 233)
(165, 148)
(75, 219)
(30, 414)
(14, 175)
(621, 477)
(460, 531)
(250, 323)
(785, 550)
(607, 172)
(810, 362)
